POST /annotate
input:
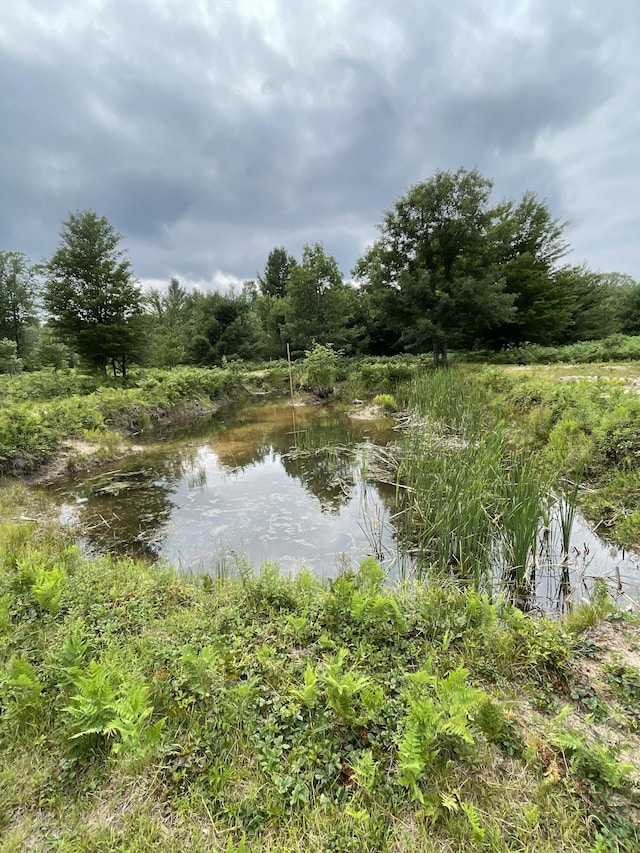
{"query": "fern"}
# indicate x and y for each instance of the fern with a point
(20, 690)
(477, 832)
(47, 588)
(592, 762)
(439, 722)
(109, 712)
(418, 747)
(364, 769)
(342, 688)
(308, 695)
(131, 723)
(66, 663)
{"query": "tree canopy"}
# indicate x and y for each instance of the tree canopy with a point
(452, 269)
(432, 275)
(17, 298)
(91, 294)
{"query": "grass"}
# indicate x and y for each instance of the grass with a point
(141, 711)
(618, 348)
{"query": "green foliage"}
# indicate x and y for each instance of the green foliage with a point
(31, 431)
(387, 402)
(357, 603)
(91, 295)
(5, 619)
(302, 712)
(20, 693)
(320, 368)
(439, 724)
(9, 361)
(624, 680)
(344, 689)
(47, 587)
(594, 611)
(435, 276)
(276, 273)
(615, 348)
(319, 306)
(107, 710)
(596, 764)
(168, 326)
(17, 308)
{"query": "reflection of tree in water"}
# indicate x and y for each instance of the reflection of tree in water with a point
(125, 510)
(326, 472)
(316, 448)
(324, 458)
(128, 509)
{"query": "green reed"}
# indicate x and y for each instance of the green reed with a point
(473, 509)
(525, 502)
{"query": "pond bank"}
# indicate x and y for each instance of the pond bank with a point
(280, 714)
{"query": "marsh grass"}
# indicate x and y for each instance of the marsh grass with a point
(477, 503)
(525, 498)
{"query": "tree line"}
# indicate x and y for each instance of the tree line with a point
(449, 270)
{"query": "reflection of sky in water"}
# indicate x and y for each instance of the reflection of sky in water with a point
(589, 558)
(219, 491)
(245, 490)
(263, 513)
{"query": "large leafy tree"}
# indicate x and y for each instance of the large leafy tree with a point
(17, 298)
(92, 297)
(527, 245)
(319, 306)
(431, 276)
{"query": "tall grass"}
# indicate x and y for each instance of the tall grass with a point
(473, 508)
(525, 499)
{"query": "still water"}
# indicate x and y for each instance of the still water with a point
(303, 487)
(299, 486)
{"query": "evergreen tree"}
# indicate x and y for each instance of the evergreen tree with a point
(91, 295)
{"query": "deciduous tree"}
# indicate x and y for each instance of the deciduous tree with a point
(431, 275)
(319, 306)
(17, 298)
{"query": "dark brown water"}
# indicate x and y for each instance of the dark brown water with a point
(300, 487)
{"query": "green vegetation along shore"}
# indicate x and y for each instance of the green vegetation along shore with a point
(141, 710)
(144, 712)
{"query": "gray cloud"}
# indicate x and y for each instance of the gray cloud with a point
(210, 132)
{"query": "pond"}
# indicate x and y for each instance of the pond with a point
(302, 487)
(298, 486)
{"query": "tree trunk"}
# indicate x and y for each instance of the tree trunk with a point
(440, 354)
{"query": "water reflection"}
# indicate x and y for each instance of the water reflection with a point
(301, 487)
(296, 486)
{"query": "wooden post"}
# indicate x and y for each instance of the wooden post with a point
(290, 377)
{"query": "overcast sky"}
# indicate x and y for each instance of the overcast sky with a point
(210, 131)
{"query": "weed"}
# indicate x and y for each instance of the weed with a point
(386, 402)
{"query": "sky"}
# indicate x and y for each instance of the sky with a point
(210, 131)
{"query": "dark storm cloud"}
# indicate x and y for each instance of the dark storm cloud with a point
(210, 132)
